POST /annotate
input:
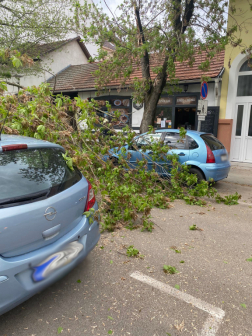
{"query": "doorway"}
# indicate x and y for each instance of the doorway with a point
(185, 117)
(242, 133)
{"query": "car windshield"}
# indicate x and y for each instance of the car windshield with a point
(33, 172)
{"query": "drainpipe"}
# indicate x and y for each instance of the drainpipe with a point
(216, 91)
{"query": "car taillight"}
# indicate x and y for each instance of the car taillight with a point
(90, 197)
(14, 147)
(210, 155)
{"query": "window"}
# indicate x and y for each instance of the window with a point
(174, 141)
(244, 87)
(34, 171)
(247, 66)
(148, 139)
(212, 142)
(170, 139)
(239, 120)
(121, 104)
(192, 144)
(250, 123)
(163, 113)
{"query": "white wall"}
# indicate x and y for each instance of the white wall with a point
(211, 92)
(69, 54)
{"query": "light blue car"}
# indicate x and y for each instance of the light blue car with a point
(43, 232)
(204, 153)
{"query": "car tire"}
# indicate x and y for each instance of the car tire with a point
(196, 171)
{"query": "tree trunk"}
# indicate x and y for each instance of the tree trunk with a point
(152, 98)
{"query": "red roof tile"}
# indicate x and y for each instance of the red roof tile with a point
(81, 78)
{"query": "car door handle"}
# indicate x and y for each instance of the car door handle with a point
(181, 154)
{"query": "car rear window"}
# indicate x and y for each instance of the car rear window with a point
(35, 172)
(212, 142)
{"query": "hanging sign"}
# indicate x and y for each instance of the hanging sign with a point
(204, 90)
(202, 108)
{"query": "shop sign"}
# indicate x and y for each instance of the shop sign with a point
(186, 100)
(165, 101)
(137, 106)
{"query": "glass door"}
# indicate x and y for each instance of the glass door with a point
(248, 135)
(237, 133)
(242, 133)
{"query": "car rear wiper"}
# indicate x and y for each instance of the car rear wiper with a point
(25, 198)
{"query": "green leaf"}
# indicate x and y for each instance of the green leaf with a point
(249, 259)
(110, 332)
(110, 318)
(181, 261)
(3, 86)
(111, 261)
(79, 281)
(60, 330)
(16, 62)
(243, 305)
(177, 286)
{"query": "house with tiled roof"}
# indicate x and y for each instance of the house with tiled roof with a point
(173, 111)
(52, 58)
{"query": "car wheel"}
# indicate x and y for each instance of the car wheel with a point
(198, 173)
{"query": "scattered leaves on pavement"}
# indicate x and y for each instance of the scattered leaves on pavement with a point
(170, 269)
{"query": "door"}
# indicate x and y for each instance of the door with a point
(177, 146)
(242, 133)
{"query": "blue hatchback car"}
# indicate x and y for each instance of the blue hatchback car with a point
(43, 232)
(205, 154)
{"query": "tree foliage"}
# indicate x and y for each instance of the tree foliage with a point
(126, 195)
(150, 36)
(24, 26)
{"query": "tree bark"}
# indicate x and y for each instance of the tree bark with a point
(152, 98)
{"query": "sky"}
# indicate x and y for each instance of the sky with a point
(111, 3)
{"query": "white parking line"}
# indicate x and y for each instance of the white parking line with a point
(212, 323)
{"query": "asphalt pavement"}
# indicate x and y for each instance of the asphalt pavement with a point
(109, 293)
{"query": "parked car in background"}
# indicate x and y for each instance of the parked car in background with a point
(205, 154)
(43, 231)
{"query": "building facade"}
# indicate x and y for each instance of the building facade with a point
(174, 111)
(235, 124)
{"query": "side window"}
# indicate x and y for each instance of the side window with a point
(174, 141)
(148, 139)
(192, 144)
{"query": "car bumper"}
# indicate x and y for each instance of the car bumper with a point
(216, 171)
(20, 286)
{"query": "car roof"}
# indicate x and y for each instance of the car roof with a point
(177, 131)
(11, 139)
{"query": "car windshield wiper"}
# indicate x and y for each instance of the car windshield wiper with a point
(24, 198)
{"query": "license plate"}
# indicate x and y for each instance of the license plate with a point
(224, 157)
(56, 261)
